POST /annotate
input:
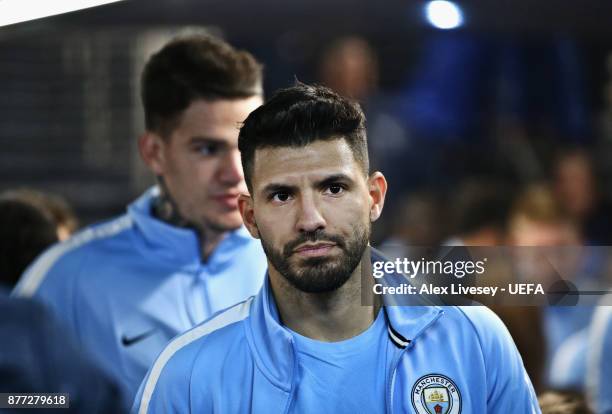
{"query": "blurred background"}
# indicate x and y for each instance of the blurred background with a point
(459, 97)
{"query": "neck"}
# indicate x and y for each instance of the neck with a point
(209, 241)
(331, 316)
(165, 209)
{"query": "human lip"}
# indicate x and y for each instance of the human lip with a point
(315, 249)
(229, 200)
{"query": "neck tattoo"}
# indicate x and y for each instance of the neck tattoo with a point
(165, 209)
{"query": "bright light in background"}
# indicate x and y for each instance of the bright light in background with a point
(15, 11)
(444, 14)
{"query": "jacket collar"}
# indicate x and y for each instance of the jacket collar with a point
(408, 315)
(175, 244)
(272, 344)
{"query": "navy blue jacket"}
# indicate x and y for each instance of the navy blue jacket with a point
(38, 355)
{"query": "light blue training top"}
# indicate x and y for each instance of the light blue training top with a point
(127, 286)
(355, 368)
(452, 360)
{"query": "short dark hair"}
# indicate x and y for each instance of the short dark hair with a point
(54, 206)
(298, 116)
(190, 68)
(26, 232)
(480, 203)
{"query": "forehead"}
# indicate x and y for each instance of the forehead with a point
(289, 165)
(216, 118)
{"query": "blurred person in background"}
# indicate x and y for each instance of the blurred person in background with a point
(37, 355)
(538, 219)
(526, 326)
(350, 67)
(599, 363)
(480, 214)
(577, 189)
(415, 222)
(25, 232)
(481, 209)
(55, 206)
(563, 402)
(548, 238)
(127, 286)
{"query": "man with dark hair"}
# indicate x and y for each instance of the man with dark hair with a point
(306, 342)
(480, 213)
(180, 254)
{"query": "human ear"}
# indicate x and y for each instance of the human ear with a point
(245, 205)
(377, 187)
(150, 147)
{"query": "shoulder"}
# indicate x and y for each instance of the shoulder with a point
(29, 322)
(502, 361)
(213, 336)
(487, 328)
(64, 258)
(482, 319)
(509, 387)
(43, 355)
(207, 346)
(21, 314)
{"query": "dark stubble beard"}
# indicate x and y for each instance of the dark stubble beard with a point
(320, 274)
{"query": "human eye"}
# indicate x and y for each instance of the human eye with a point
(207, 149)
(280, 196)
(335, 189)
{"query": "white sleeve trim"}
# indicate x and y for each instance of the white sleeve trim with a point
(30, 282)
(231, 315)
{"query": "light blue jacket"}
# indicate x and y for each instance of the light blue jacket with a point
(243, 360)
(598, 361)
(128, 286)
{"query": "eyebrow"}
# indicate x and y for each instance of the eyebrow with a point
(277, 187)
(334, 179)
(206, 140)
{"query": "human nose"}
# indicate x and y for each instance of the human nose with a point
(310, 217)
(231, 168)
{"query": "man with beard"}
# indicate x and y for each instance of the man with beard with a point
(308, 341)
(180, 253)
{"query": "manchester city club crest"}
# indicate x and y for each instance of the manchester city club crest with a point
(436, 394)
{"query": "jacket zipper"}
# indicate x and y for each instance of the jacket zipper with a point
(398, 358)
(293, 379)
(394, 366)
